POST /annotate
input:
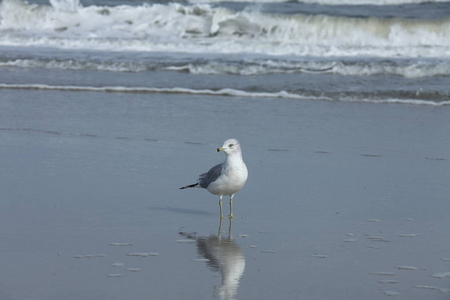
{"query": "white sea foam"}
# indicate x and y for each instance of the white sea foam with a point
(332, 2)
(66, 5)
(133, 269)
(75, 64)
(409, 234)
(120, 244)
(378, 239)
(176, 90)
(117, 265)
(441, 275)
(391, 293)
(411, 268)
(350, 240)
(426, 287)
(382, 273)
(224, 92)
(90, 256)
(146, 254)
(370, 68)
(371, 2)
(203, 28)
(247, 67)
(388, 281)
(430, 287)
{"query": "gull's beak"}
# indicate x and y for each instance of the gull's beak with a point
(220, 149)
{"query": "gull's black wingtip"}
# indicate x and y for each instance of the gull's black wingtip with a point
(188, 186)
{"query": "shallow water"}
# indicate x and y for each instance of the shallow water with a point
(394, 52)
(108, 107)
(344, 200)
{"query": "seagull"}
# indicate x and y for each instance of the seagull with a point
(226, 178)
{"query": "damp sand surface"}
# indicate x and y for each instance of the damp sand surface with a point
(342, 202)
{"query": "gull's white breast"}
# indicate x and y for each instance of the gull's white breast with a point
(233, 178)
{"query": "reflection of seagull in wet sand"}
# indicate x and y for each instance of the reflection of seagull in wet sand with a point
(226, 178)
(224, 256)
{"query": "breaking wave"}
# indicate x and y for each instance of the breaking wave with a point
(333, 2)
(205, 28)
(403, 68)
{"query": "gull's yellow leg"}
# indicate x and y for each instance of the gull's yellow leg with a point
(229, 229)
(231, 207)
(220, 205)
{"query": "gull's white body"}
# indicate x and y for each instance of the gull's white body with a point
(233, 178)
(226, 178)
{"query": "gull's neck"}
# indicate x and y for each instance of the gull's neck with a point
(234, 158)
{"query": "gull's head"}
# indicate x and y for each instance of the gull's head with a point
(230, 146)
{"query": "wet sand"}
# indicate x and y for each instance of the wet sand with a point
(343, 201)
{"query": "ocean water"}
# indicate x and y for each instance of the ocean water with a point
(392, 51)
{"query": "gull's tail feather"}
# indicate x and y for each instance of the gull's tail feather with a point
(189, 186)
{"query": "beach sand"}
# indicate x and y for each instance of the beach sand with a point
(343, 201)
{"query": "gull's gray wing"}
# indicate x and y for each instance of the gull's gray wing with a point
(206, 178)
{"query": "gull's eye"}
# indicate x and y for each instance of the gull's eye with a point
(230, 145)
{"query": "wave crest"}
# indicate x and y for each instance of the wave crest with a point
(203, 28)
(228, 92)
(402, 68)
